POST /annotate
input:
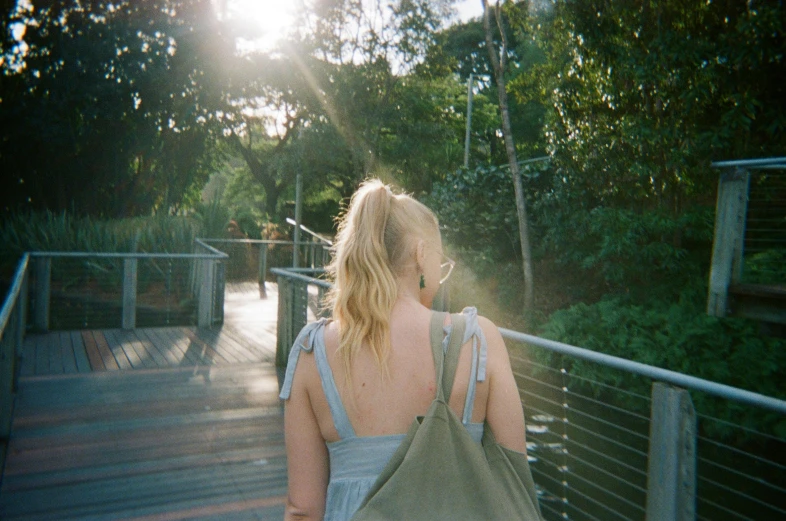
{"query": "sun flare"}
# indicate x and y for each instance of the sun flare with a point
(271, 18)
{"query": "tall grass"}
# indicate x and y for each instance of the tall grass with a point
(47, 231)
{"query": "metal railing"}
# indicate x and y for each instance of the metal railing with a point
(614, 439)
(13, 322)
(252, 259)
(748, 273)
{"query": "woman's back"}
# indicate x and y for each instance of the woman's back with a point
(378, 404)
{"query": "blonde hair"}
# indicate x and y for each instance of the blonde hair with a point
(375, 242)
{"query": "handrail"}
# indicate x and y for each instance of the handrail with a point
(765, 162)
(656, 373)
(260, 241)
(310, 232)
(219, 253)
(105, 255)
(13, 292)
(291, 273)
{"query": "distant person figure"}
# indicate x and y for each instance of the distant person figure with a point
(355, 383)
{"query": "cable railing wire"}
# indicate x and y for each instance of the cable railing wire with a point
(743, 475)
(742, 453)
(610, 387)
(741, 427)
(608, 423)
(607, 473)
(607, 439)
(611, 407)
(627, 466)
(734, 513)
(731, 491)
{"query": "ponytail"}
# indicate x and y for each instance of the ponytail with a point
(375, 238)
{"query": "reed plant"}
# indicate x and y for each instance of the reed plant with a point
(48, 231)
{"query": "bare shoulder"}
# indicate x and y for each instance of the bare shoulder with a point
(497, 351)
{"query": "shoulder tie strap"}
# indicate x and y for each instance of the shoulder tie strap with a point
(307, 334)
(479, 358)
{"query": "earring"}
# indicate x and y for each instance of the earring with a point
(422, 281)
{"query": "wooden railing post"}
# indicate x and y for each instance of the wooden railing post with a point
(262, 270)
(206, 288)
(129, 292)
(671, 471)
(727, 247)
(43, 280)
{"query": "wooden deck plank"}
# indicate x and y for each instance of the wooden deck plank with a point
(206, 350)
(55, 354)
(263, 347)
(180, 341)
(148, 444)
(93, 354)
(67, 350)
(121, 361)
(119, 349)
(225, 344)
(110, 362)
(28, 356)
(130, 345)
(80, 355)
(168, 353)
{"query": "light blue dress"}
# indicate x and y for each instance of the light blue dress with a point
(356, 461)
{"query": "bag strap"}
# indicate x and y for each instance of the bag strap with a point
(437, 334)
(446, 350)
(458, 324)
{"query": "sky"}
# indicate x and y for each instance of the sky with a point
(469, 9)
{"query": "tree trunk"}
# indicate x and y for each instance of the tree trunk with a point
(498, 63)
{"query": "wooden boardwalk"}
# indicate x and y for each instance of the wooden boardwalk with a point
(150, 424)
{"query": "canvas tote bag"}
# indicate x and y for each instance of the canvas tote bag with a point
(439, 472)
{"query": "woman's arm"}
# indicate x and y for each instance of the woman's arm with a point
(307, 457)
(503, 409)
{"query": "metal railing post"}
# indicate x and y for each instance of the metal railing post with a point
(284, 326)
(262, 270)
(43, 280)
(205, 310)
(129, 293)
(220, 281)
(671, 468)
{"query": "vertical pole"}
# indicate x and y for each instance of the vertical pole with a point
(24, 299)
(671, 472)
(204, 313)
(298, 216)
(284, 325)
(129, 293)
(729, 238)
(469, 121)
(262, 270)
(219, 285)
(43, 280)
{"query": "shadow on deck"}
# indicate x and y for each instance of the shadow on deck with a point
(151, 424)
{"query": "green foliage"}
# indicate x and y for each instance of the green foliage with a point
(675, 335)
(766, 267)
(110, 109)
(213, 218)
(48, 231)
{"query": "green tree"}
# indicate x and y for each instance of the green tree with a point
(110, 108)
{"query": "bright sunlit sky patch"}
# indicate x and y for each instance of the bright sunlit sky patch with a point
(271, 18)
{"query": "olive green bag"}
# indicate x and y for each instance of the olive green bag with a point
(440, 472)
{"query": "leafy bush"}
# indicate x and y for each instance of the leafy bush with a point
(678, 336)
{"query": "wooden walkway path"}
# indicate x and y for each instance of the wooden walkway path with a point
(150, 424)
